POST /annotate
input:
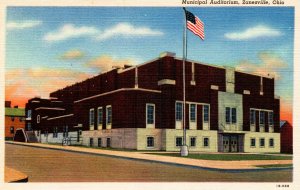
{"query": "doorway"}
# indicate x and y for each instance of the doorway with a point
(230, 143)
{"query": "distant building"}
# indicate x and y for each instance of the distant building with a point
(14, 119)
(286, 136)
(140, 107)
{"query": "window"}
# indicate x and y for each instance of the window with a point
(55, 132)
(99, 142)
(262, 142)
(65, 131)
(150, 113)
(252, 142)
(38, 119)
(193, 141)
(12, 118)
(21, 119)
(100, 116)
(227, 115)
(271, 142)
(261, 117)
(92, 116)
(91, 142)
(192, 112)
(108, 115)
(179, 141)
(206, 142)
(252, 117)
(29, 113)
(178, 111)
(108, 142)
(230, 115)
(205, 113)
(271, 118)
(29, 127)
(150, 141)
(12, 130)
(233, 115)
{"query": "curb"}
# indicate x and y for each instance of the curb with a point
(161, 162)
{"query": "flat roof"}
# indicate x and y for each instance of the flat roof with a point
(15, 111)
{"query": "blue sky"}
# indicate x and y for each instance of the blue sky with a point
(74, 42)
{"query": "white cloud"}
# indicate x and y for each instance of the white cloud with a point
(126, 30)
(253, 32)
(121, 29)
(72, 55)
(106, 62)
(70, 31)
(270, 64)
(20, 25)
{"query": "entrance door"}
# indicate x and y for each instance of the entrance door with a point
(233, 144)
(108, 142)
(226, 143)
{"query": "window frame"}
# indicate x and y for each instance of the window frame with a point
(99, 119)
(260, 142)
(178, 112)
(252, 117)
(233, 116)
(29, 113)
(252, 146)
(205, 114)
(108, 116)
(153, 114)
(204, 142)
(195, 142)
(91, 142)
(152, 141)
(273, 142)
(227, 115)
(193, 113)
(92, 117)
(262, 119)
(271, 119)
(12, 130)
(99, 141)
(38, 119)
(176, 144)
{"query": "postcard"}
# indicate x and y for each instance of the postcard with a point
(182, 94)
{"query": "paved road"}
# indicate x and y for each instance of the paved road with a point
(44, 165)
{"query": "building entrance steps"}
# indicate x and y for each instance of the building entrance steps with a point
(143, 156)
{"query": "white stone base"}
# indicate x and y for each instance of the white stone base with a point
(258, 136)
(59, 138)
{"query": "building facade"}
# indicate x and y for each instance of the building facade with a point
(140, 107)
(14, 119)
(286, 136)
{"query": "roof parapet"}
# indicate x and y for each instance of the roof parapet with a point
(167, 53)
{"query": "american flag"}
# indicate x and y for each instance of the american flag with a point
(194, 24)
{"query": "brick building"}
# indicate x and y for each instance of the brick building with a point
(286, 136)
(140, 107)
(14, 119)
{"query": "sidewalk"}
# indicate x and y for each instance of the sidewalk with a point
(245, 165)
(12, 176)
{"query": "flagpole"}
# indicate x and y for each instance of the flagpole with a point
(184, 149)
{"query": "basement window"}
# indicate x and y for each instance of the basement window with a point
(150, 142)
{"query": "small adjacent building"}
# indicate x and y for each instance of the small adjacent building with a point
(141, 107)
(286, 136)
(14, 119)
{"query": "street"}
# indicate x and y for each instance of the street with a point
(45, 165)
